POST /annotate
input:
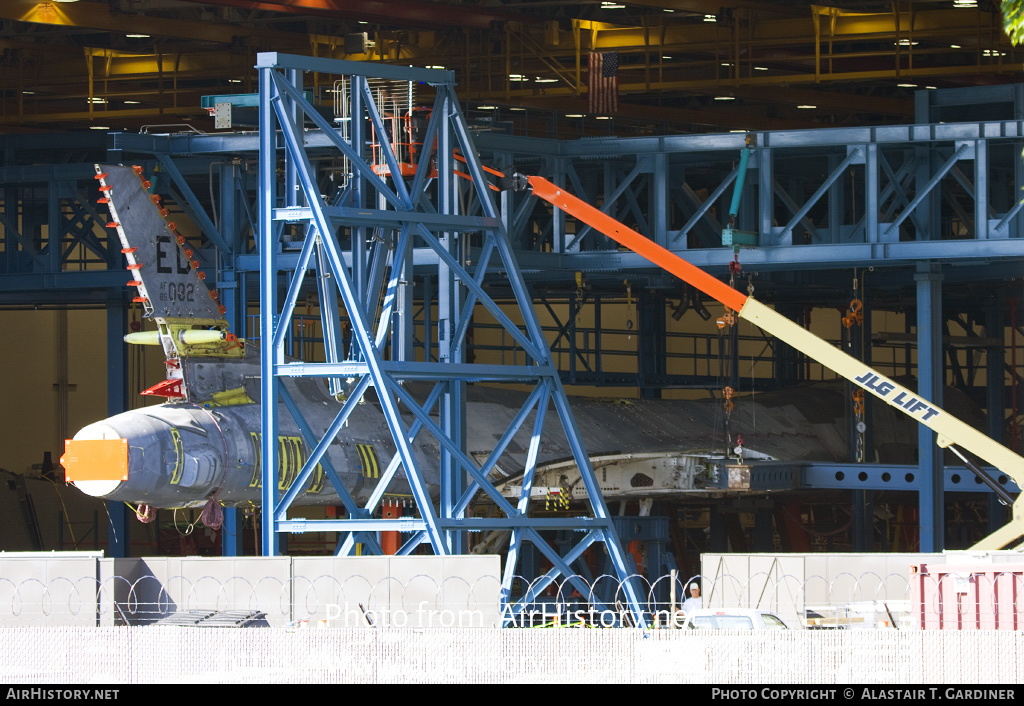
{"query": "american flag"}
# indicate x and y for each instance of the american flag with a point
(603, 86)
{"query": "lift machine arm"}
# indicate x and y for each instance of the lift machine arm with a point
(951, 431)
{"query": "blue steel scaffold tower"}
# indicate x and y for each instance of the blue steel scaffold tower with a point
(392, 219)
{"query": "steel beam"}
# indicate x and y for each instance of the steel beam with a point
(874, 476)
(119, 527)
(930, 384)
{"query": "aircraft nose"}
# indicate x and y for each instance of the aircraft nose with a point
(96, 460)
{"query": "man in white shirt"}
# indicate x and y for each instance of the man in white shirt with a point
(693, 602)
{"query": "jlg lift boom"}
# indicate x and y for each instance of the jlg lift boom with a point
(952, 432)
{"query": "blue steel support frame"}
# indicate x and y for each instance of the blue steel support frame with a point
(230, 208)
(442, 496)
(930, 383)
(270, 352)
(995, 370)
(901, 174)
(119, 528)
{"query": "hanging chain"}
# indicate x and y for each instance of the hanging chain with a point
(629, 308)
(855, 312)
(579, 296)
(727, 394)
(855, 317)
(728, 318)
(860, 426)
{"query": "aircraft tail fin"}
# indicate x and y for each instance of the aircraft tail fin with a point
(165, 275)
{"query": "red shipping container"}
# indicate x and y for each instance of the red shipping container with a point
(967, 597)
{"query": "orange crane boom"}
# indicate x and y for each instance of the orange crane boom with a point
(950, 430)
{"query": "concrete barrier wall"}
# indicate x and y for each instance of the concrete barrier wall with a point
(850, 589)
(88, 590)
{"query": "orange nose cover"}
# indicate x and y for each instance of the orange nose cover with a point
(95, 459)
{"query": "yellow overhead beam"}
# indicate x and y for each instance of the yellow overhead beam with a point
(100, 115)
(137, 65)
(936, 23)
(97, 15)
(716, 86)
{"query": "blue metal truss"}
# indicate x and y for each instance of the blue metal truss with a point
(824, 198)
(382, 215)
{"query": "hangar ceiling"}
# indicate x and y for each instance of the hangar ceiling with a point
(684, 65)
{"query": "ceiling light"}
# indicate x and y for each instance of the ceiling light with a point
(486, 107)
(518, 109)
(99, 127)
(603, 117)
(435, 67)
(965, 3)
(234, 80)
(905, 43)
(131, 102)
(907, 85)
(710, 18)
(546, 80)
(666, 58)
(28, 93)
(137, 36)
(612, 6)
(806, 107)
(954, 46)
(574, 115)
(725, 98)
(760, 68)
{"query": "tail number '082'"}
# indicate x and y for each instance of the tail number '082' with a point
(180, 292)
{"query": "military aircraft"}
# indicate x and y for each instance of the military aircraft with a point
(202, 446)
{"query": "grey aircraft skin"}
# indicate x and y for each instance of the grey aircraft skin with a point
(181, 454)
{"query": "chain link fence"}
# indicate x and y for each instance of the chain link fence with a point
(189, 655)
